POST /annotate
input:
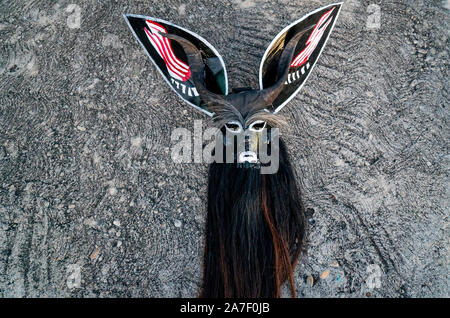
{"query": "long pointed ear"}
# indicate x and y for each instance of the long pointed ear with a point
(170, 59)
(315, 27)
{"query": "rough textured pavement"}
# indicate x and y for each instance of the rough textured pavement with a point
(91, 204)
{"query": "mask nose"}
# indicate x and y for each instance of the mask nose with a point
(248, 155)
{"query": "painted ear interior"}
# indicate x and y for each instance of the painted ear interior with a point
(306, 54)
(170, 59)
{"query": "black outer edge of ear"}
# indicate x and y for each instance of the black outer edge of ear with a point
(318, 56)
(126, 15)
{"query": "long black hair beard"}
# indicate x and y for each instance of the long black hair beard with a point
(255, 230)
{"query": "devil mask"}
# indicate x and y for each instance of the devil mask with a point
(255, 229)
(197, 73)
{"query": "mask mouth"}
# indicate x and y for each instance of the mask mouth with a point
(248, 156)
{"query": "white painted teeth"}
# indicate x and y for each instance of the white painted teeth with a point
(248, 156)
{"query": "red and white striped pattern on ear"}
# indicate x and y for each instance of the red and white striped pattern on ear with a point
(312, 41)
(176, 68)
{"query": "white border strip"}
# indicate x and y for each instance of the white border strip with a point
(160, 71)
(312, 67)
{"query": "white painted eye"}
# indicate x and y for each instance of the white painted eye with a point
(234, 127)
(257, 126)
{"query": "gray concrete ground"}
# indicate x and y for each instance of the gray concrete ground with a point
(91, 204)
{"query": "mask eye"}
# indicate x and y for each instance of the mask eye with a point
(233, 127)
(257, 126)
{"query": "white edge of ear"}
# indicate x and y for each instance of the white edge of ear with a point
(284, 30)
(126, 15)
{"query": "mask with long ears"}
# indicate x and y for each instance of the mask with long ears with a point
(255, 227)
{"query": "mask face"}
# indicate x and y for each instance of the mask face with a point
(247, 144)
(197, 73)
